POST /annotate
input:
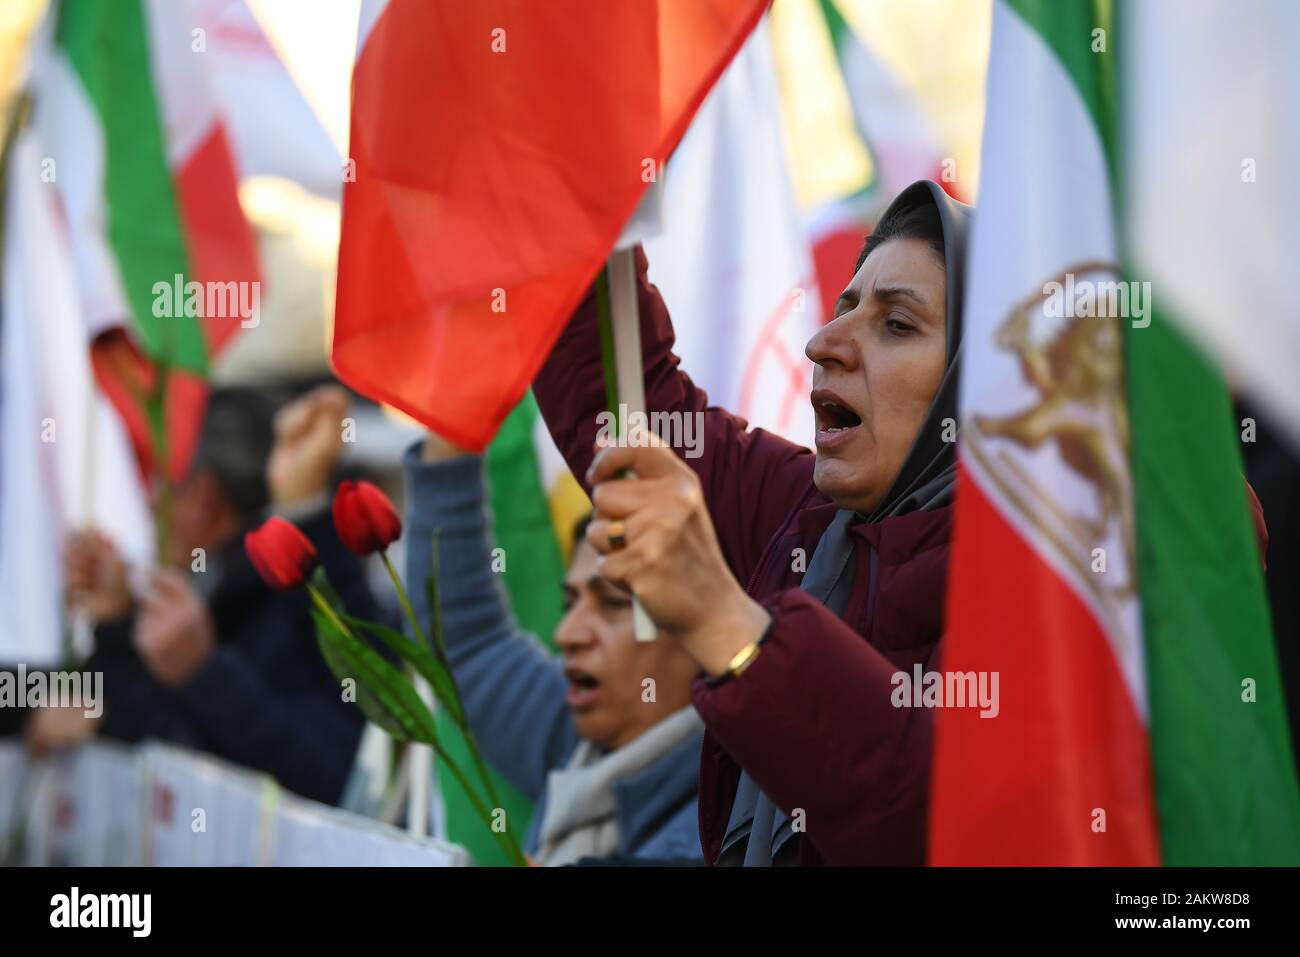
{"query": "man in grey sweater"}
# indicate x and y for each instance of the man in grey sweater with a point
(604, 739)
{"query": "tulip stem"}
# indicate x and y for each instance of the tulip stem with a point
(506, 840)
(403, 598)
(459, 716)
(327, 610)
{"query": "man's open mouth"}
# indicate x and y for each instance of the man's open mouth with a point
(580, 679)
(833, 415)
(583, 687)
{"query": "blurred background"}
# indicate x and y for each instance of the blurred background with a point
(833, 107)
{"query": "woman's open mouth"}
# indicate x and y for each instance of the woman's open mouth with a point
(835, 420)
(583, 688)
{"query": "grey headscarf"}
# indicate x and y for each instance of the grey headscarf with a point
(757, 827)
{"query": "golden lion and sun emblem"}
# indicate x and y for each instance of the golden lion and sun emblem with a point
(1076, 426)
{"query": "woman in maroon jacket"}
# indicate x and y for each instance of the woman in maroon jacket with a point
(799, 582)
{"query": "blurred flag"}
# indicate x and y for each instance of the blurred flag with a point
(66, 461)
(1104, 565)
(903, 142)
(1214, 205)
(490, 185)
(733, 262)
(273, 129)
(141, 162)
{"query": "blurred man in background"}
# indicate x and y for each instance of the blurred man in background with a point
(210, 657)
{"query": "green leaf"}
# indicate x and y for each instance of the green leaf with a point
(421, 659)
(343, 671)
(384, 694)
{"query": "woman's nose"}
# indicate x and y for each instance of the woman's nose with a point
(833, 345)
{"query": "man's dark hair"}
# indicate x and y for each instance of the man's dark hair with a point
(580, 528)
(238, 433)
(918, 221)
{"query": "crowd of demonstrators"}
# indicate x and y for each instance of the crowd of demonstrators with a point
(209, 656)
(788, 586)
(603, 738)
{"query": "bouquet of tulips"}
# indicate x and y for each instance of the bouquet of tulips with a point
(387, 694)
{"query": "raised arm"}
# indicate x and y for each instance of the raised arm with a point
(751, 479)
(513, 690)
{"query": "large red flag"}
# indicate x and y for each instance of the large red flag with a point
(499, 147)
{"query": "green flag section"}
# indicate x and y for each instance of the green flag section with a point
(108, 47)
(1225, 781)
(533, 569)
(1104, 561)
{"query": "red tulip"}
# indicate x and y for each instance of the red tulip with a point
(365, 518)
(282, 555)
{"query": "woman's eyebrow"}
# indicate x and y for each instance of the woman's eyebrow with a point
(848, 299)
(898, 292)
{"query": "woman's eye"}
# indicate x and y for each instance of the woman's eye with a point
(617, 604)
(898, 325)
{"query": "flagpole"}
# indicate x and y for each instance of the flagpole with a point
(629, 373)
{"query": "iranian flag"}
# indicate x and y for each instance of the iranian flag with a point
(497, 150)
(142, 166)
(1104, 563)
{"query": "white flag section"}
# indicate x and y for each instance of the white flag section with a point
(1212, 132)
(733, 262)
(71, 135)
(274, 130)
(157, 805)
(66, 461)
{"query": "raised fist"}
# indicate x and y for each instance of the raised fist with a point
(308, 443)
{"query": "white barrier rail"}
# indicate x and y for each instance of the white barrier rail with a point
(159, 805)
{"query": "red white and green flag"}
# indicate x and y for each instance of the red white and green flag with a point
(492, 177)
(144, 174)
(1104, 563)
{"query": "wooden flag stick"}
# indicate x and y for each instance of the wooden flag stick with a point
(629, 373)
